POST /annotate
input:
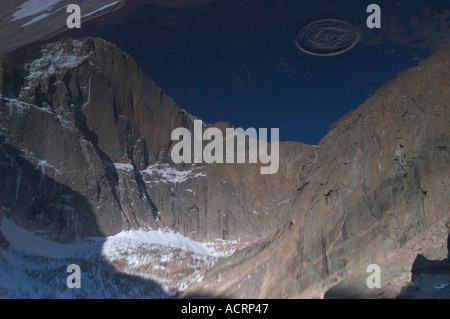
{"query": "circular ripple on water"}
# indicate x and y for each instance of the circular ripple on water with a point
(327, 37)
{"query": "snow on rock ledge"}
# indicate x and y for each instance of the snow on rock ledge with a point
(169, 174)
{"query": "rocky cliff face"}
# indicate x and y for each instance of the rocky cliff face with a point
(381, 178)
(377, 182)
(96, 136)
(85, 138)
(61, 113)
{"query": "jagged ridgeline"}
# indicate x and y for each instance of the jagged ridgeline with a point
(85, 141)
(87, 119)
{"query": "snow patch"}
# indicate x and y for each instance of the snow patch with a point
(169, 174)
(44, 164)
(163, 238)
(36, 19)
(191, 191)
(100, 9)
(172, 260)
(55, 58)
(123, 167)
(33, 7)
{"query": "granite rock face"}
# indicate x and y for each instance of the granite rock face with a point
(381, 177)
(62, 134)
(378, 179)
(85, 139)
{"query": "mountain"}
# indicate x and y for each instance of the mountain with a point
(85, 166)
(376, 186)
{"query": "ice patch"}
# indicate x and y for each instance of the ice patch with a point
(28, 242)
(14, 104)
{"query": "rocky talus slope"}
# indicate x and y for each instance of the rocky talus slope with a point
(85, 139)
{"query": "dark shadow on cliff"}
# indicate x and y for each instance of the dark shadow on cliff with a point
(430, 278)
(32, 200)
(448, 240)
(346, 290)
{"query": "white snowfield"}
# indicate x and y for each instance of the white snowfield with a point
(162, 238)
(28, 242)
(120, 266)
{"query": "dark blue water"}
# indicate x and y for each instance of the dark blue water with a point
(237, 61)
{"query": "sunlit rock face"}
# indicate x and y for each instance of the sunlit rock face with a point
(376, 191)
